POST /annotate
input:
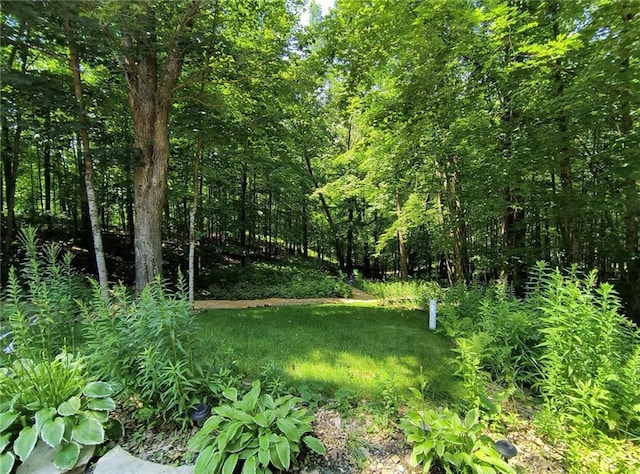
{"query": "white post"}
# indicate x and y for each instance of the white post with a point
(432, 315)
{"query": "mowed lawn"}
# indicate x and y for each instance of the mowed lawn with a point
(363, 349)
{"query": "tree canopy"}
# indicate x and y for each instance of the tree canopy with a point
(449, 139)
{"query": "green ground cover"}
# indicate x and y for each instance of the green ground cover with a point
(363, 349)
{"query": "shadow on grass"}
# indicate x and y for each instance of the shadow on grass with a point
(362, 349)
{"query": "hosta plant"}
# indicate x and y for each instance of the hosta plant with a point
(53, 402)
(254, 434)
(457, 446)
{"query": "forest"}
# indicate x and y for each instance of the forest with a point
(171, 168)
(445, 139)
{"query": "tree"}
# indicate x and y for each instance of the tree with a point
(151, 84)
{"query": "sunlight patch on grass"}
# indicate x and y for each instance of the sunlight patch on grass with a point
(362, 349)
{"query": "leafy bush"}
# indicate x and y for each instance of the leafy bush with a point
(282, 281)
(416, 293)
(39, 304)
(52, 401)
(255, 432)
(590, 356)
(146, 345)
(443, 439)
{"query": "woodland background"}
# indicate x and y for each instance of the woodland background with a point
(441, 139)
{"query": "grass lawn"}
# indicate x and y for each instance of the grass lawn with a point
(363, 349)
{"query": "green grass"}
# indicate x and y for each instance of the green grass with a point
(363, 349)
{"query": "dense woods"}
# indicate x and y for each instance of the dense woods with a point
(445, 139)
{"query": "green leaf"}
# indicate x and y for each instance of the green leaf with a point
(43, 416)
(7, 460)
(230, 464)
(289, 429)
(25, 442)
(67, 457)
(101, 404)
(211, 424)
(261, 419)
(264, 456)
(283, 450)
(70, 407)
(251, 398)
(230, 393)
(52, 432)
(6, 419)
(314, 444)
(98, 390)
(250, 466)
(225, 411)
(208, 461)
(5, 439)
(88, 431)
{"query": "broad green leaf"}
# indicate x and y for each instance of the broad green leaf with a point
(230, 393)
(264, 456)
(208, 461)
(263, 440)
(7, 460)
(88, 431)
(6, 419)
(261, 419)
(43, 416)
(250, 466)
(471, 418)
(283, 450)
(5, 439)
(225, 411)
(25, 442)
(67, 457)
(70, 407)
(251, 398)
(230, 464)
(101, 404)
(314, 444)
(52, 432)
(211, 424)
(98, 390)
(289, 429)
(275, 459)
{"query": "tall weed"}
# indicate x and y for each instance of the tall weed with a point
(146, 344)
(589, 355)
(39, 302)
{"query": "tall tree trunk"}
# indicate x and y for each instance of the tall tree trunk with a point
(568, 218)
(305, 228)
(242, 217)
(96, 231)
(349, 256)
(327, 212)
(632, 207)
(47, 169)
(404, 268)
(11, 152)
(196, 194)
(150, 98)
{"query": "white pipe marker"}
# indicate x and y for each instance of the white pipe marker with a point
(432, 315)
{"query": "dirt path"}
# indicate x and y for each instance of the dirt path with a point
(357, 296)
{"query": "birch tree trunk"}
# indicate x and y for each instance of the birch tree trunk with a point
(94, 218)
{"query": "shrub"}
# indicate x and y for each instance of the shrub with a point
(284, 281)
(52, 401)
(589, 361)
(256, 433)
(456, 445)
(146, 345)
(39, 305)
